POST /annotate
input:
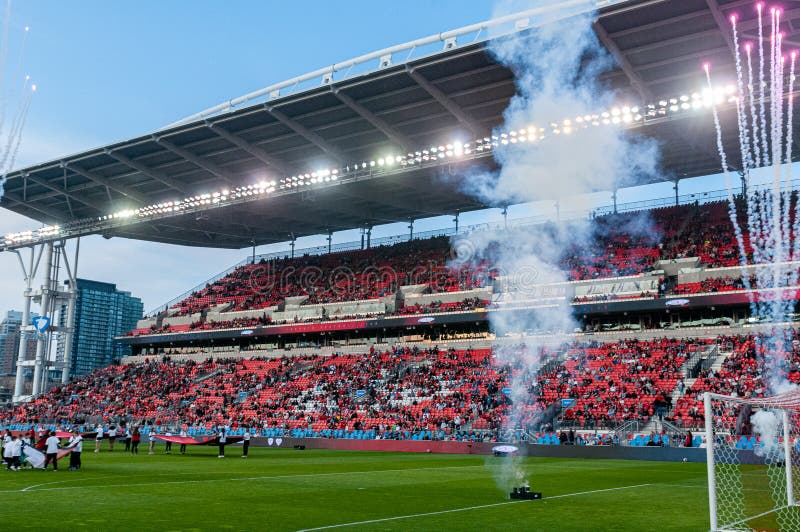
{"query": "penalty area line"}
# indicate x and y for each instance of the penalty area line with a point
(468, 508)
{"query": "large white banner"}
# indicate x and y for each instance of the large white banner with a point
(33, 456)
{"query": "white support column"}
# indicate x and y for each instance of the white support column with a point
(787, 453)
(29, 274)
(41, 343)
(70, 321)
(712, 481)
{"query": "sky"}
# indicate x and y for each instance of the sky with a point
(106, 71)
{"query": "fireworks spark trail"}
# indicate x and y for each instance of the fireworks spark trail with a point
(762, 110)
(789, 141)
(753, 214)
(751, 95)
(776, 99)
(782, 195)
(741, 108)
(15, 129)
(793, 237)
(725, 170)
(15, 140)
(772, 220)
(15, 134)
(12, 123)
(3, 63)
(15, 149)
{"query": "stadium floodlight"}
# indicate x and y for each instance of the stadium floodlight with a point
(623, 114)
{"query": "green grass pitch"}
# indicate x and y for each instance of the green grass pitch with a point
(283, 489)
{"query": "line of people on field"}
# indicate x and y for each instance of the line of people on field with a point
(13, 449)
(49, 444)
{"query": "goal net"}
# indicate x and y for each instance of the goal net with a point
(752, 448)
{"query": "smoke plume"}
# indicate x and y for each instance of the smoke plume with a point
(557, 65)
(766, 424)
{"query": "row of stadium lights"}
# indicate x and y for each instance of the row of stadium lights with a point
(627, 116)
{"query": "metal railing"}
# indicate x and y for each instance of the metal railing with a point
(415, 49)
(628, 428)
(701, 359)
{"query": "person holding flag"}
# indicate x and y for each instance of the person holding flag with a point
(98, 438)
(223, 439)
(246, 442)
(183, 435)
(9, 448)
(76, 446)
(168, 449)
(26, 444)
(5, 444)
(52, 444)
(112, 437)
(136, 437)
(16, 452)
(152, 439)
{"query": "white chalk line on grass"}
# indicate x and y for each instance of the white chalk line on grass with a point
(278, 477)
(30, 489)
(267, 477)
(468, 508)
(48, 484)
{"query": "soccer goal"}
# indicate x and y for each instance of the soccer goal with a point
(752, 451)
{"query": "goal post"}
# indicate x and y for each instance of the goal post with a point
(752, 450)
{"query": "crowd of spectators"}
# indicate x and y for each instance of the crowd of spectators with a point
(619, 245)
(615, 382)
(465, 305)
(719, 284)
(339, 277)
(400, 390)
(746, 372)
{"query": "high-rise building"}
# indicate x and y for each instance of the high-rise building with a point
(9, 343)
(101, 313)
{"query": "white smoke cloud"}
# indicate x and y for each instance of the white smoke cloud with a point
(556, 67)
(766, 424)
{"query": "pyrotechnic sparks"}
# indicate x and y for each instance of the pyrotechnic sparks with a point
(766, 219)
(11, 126)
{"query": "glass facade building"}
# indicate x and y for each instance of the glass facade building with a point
(101, 313)
(9, 343)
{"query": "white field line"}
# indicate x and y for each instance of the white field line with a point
(32, 487)
(468, 508)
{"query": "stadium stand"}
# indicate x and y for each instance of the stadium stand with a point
(458, 393)
(399, 393)
(740, 373)
(621, 261)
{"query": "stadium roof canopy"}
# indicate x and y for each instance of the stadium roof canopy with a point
(457, 93)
